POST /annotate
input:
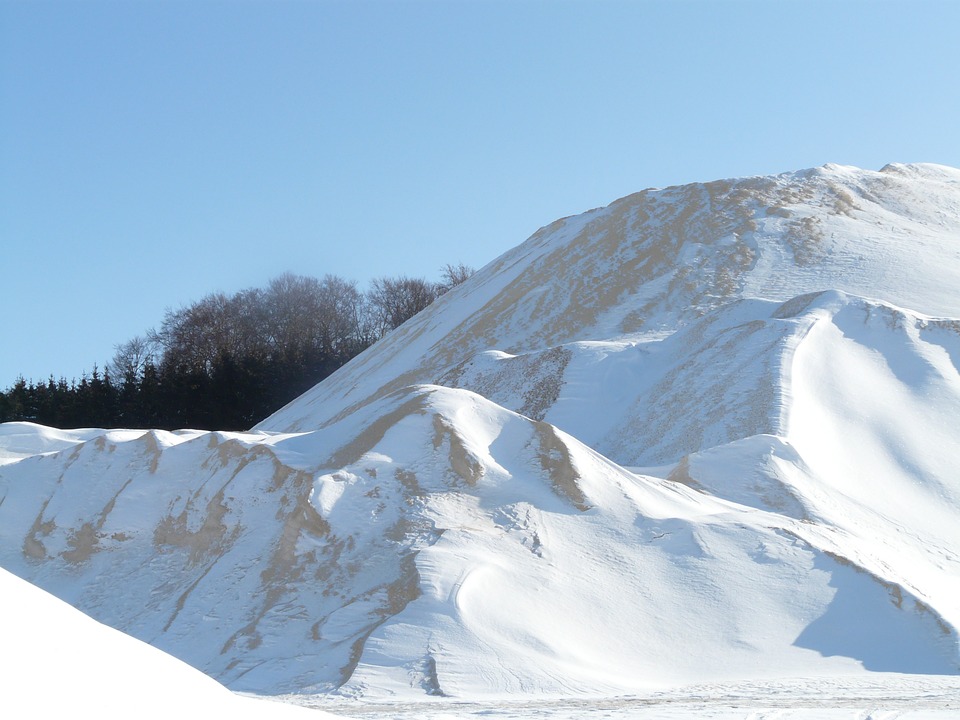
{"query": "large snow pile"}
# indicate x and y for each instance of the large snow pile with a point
(705, 434)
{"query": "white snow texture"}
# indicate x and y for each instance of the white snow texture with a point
(705, 435)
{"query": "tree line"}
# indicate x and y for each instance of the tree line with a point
(227, 361)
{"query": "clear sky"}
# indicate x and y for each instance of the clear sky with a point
(153, 152)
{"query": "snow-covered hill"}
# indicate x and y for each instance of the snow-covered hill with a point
(658, 260)
(705, 434)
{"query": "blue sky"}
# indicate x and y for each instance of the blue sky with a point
(154, 152)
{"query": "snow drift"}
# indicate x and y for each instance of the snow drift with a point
(92, 667)
(703, 434)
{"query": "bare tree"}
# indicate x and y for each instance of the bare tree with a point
(131, 358)
(340, 320)
(453, 275)
(393, 301)
(292, 302)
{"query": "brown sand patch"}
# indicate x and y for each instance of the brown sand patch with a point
(463, 462)
(554, 456)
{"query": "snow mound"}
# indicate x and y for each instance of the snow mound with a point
(702, 435)
(446, 545)
(93, 666)
(659, 259)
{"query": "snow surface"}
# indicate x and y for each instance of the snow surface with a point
(884, 697)
(692, 454)
(58, 662)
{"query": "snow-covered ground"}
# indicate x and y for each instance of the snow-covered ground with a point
(883, 697)
(690, 455)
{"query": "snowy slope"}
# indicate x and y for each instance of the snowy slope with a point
(656, 260)
(703, 435)
(387, 566)
(56, 662)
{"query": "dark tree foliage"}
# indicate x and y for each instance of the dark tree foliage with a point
(226, 362)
